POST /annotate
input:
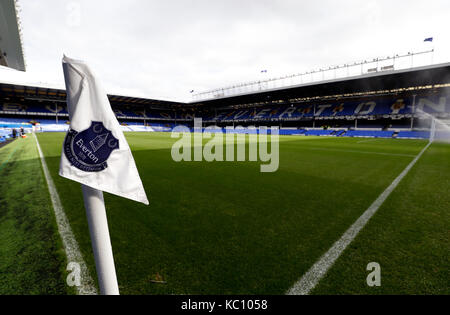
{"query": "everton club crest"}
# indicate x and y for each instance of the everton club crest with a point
(89, 150)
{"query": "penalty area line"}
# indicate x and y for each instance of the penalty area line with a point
(312, 277)
(70, 244)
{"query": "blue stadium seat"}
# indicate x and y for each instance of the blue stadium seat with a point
(318, 132)
(414, 134)
(369, 133)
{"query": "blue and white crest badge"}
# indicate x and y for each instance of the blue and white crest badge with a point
(90, 149)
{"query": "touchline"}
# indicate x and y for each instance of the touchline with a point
(233, 139)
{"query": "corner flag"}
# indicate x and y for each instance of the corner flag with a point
(95, 151)
(96, 154)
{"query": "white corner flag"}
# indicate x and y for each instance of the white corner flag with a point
(96, 154)
(95, 151)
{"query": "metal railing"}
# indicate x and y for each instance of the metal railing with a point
(376, 65)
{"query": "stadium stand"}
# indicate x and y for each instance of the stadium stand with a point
(4, 134)
(394, 105)
(369, 133)
(414, 134)
(318, 132)
(399, 107)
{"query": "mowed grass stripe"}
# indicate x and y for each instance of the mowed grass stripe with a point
(311, 278)
(363, 152)
(8, 154)
(408, 237)
(32, 260)
(224, 227)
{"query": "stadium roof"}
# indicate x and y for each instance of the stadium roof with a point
(59, 95)
(386, 80)
(11, 50)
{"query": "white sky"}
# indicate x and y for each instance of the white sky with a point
(165, 48)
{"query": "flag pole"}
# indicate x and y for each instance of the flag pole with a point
(101, 243)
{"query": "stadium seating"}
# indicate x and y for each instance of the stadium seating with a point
(414, 134)
(47, 125)
(369, 133)
(333, 109)
(289, 132)
(5, 134)
(367, 111)
(319, 132)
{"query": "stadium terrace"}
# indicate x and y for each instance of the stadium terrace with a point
(388, 104)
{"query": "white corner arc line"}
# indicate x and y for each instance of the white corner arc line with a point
(70, 244)
(312, 277)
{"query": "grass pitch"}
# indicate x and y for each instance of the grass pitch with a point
(31, 257)
(226, 228)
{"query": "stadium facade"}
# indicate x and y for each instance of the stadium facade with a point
(396, 103)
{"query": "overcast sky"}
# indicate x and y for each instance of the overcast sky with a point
(165, 48)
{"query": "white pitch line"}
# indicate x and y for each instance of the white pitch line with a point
(312, 277)
(70, 244)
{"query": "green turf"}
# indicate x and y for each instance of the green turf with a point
(226, 228)
(409, 237)
(31, 255)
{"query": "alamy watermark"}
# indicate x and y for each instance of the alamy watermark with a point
(74, 277)
(228, 146)
(374, 277)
